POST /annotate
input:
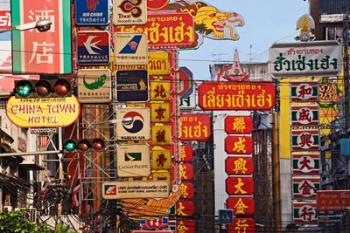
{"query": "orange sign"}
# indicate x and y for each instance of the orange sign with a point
(165, 29)
(195, 127)
(236, 95)
(238, 124)
(238, 145)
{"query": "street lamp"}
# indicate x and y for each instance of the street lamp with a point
(42, 25)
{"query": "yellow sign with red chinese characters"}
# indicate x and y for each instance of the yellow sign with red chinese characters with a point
(161, 135)
(161, 159)
(158, 63)
(160, 112)
(160, 90)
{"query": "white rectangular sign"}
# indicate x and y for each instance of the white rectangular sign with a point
(133, 124)
(133, 160)
(131, 48)
(135, 189)
(305, 58)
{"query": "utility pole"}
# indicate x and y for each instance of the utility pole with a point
(60, 173)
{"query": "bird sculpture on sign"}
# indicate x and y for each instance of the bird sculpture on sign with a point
(209, 21)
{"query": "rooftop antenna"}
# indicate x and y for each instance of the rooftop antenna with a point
(218, 56)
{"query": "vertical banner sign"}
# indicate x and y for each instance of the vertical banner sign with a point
(126, 12)
(42, 52)
(91, 12)
(238, 124)
(304, 91)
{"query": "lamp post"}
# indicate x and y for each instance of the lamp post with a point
(40, 25)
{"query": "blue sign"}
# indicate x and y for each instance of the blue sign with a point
(91, 12)
(92, 48)
(225, 216)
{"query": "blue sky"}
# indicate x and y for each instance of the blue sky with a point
(265, 23)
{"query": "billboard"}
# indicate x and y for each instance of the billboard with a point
(133, 160)
(135, 189)
(59, 112)
(236, 95)
(195, 127)
(94, 86)
(48, 52)
(165, 29)
(133, 124)
(333, 200)
(317, 58)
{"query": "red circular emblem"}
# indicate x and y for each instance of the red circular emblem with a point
(154, 5)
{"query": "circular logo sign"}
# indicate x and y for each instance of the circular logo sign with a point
(154, 5)
(133, 122)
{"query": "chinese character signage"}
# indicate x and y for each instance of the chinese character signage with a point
(187, 190)
(238, 124)
(186, 171)
(241, 205)
(333, 200)
(304, 213)
(239, 165)
(185, 226)
(59, 112)
(240, 185)
(306, 163)
(186, 153)
(304, 91)
(307, 58)
(161, 159)
(92, 48)
(132, 85)
(130, 48)
(94, 86)
(161, 175)
(160, 111)
(305, 187)
(165, 29)
(158, 63)
(236, 95)
(304, 115)
(239, 144)
(242, 225)
(127, 12)
(133, 124)
(305, 139)
(161, 135)
(195, 127)
(160, 90)
(133, 160)
(185, 208)
(42, 52)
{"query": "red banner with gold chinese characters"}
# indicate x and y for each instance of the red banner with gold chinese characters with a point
(186, 153)
(239, 165)
(241, 205)
(236, 95)
(185, 208)
(239, 145)
(238, 124)
(186, 171)
(195, 127)
(240, 185)
(186, 226)
(241, 225)
(187, 190)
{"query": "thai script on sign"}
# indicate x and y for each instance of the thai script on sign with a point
(172, 29)
(195, 127)
(236, 96)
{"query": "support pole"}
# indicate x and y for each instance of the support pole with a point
(276, 175)
(60, 173)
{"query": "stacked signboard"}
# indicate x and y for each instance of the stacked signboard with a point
(240, 168)
(305, 147)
